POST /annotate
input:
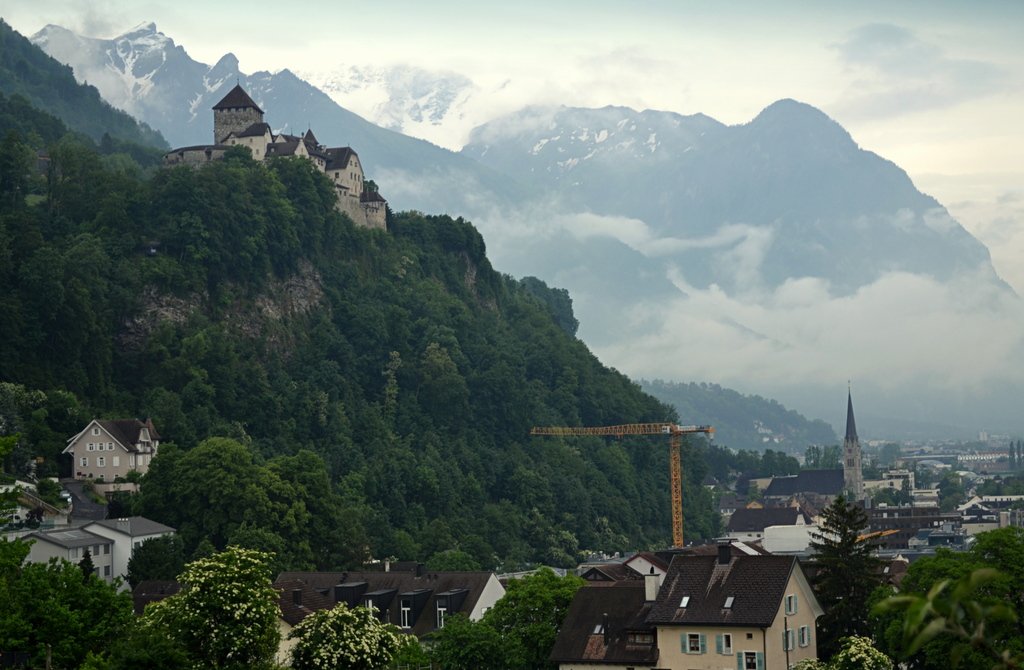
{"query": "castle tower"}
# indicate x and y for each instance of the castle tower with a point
(234, 113)
(853, 475)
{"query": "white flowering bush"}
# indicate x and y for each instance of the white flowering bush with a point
(343, 638)
(855, 653)
(226, 612)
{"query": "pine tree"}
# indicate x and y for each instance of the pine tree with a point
(848, 572)
(86, 565)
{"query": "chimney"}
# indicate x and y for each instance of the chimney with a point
(724, 553)
(297, 596)
(604, 627)
(652, 583)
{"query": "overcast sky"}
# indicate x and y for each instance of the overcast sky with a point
(936, 87)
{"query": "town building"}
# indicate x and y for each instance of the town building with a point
(750, 524)
(71, 545)
(126, 535)
(238, 121)
(907, 521)
(709, 612)
(106, 450)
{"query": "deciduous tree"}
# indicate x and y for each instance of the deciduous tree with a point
(343, 639)
(226, 613)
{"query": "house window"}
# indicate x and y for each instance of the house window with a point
(110, 446)
(685, 601)
(791, 604)
(805, 636)
(116, 462)
(106, 549)
(751, 660)
(441, 611)
(84, 461)
(131, 460)
(694, 643)
(788, 637)
(101, 462)
(95, 430)
(723, 644)
(729, 601)
(90, 446)
(640, 638)
(106, 570)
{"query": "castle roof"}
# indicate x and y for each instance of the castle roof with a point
(310, 137)
(255, 130)
(237, 98)
(285, 148)
(338, 157)
(371, 196)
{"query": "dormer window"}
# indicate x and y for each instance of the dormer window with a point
(685, 601)
(598, 629)
(406, 609)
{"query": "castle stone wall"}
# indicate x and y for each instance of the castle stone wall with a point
(234, 120)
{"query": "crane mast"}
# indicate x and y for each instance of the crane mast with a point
(675, 434)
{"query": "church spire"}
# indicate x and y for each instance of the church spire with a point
(853, 475)
(851, 424)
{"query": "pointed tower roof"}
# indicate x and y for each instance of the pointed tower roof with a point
(851, 425)
(310, 137)
(237, 97)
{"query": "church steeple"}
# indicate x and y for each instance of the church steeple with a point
(853, 474)
(851, 424)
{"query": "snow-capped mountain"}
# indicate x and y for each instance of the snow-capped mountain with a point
(791, 185)
(143, 71)
(413, 101)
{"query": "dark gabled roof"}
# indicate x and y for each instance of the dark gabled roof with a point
(756, 520)
(152, 591)
(371, 196)
(285, 148)
(255, 130)
(126, 431)
(851, 425)
(608, 572)
(310, 137)
(237, 98)
(338, 157)
(825, 482)
(309, 600)
(401, 582)
(623, 602)
(756, 583)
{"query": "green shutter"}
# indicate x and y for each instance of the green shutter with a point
(683, 647)
(703, 643)
(718, 644)
(760, 661)
(796, 601)
(739, 660)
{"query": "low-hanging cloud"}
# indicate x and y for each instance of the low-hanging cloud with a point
(900, 73)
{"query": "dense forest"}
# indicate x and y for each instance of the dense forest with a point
(399, 368)
(742, 421)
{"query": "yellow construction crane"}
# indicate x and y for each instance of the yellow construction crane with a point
(675, 434)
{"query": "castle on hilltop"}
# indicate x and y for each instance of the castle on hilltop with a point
(238, 121)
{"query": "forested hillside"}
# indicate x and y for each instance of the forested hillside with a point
(27, 71)
(377, 388)
(742, 421)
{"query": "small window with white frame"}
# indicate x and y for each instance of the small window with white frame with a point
(83, 461)
(788, 639)
(805, 636)
(750, 660)
(95, 430)
(727, 644)
(791, 603)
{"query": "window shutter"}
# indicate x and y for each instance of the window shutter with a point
(718, 644)
(683, 647)
(703, 643)
(760, 660)
(795, 601)
(739, 660)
